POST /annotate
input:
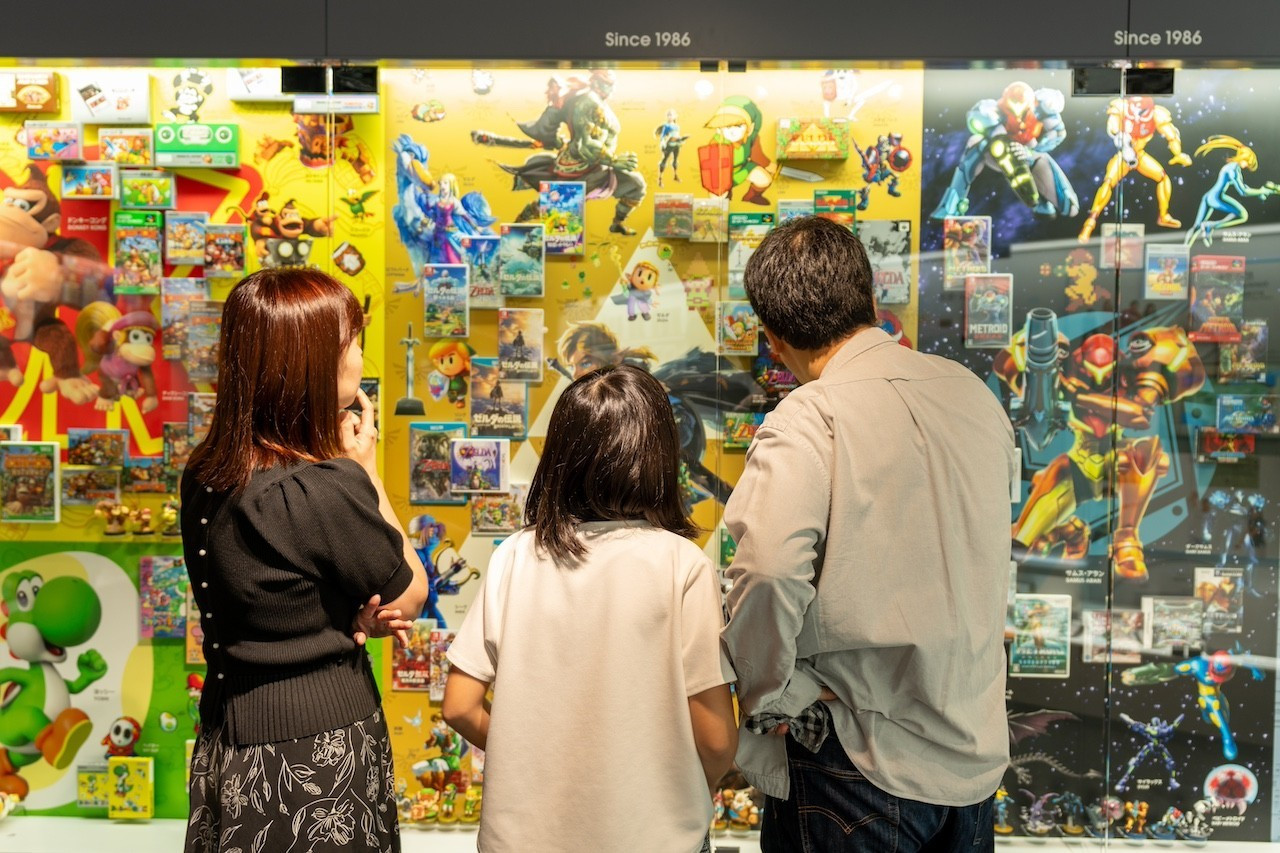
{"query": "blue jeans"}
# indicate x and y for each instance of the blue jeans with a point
(833, 807)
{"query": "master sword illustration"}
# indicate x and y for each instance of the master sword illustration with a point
(409, 404)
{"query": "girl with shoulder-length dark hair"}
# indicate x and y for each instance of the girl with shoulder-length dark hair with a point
(604, 604)
(295, 558)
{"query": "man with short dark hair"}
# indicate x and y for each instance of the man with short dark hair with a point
(869, 585)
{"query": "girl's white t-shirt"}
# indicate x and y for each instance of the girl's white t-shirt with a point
(590, 741)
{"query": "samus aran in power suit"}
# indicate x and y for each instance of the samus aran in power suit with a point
(1014, 135)
(1097, 391)
(1133, 122)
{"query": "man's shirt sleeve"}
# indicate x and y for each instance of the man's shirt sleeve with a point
(777, 516)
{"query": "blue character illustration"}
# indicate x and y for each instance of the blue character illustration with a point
(1210, 672)
(426, 534)
(881, 164)
(1014, 135)
(1218, 200)
(1156, 735)
(430, 214)
(669, 143)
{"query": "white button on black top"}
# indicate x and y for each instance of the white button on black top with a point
(204, 584)
(202, 552)
(208, 616)
(204, 521)
(208, 488)
(221, 676)
(215, 645)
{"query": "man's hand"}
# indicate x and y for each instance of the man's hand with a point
(370, 623)
(824, 696)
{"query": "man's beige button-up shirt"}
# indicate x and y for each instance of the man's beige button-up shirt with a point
(873, 550)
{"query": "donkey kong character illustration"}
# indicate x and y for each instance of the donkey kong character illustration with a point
(39, 272)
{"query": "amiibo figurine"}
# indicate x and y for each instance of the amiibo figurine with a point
(1135, 820)
(1103, 816)
(1195, 825)
(114, 514)
(448, 806)
(1041, 818)
(404, 805)
(429, 799)
(471, 808)
(1071, 812)
(639, 287)
(719, 823)
(169, 517)
(742, 812)
(1002, 804)
(8, 804)
(140, 519)
(1166, 828)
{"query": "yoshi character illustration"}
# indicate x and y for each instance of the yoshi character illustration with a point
(36, 718)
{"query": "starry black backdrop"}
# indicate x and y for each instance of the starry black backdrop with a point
(1244, 104)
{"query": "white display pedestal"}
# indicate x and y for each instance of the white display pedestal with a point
(22, 834)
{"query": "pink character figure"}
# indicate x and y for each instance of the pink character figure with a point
(122, 350)
(639, 286)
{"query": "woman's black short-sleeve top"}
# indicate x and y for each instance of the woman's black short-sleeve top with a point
(278, 571)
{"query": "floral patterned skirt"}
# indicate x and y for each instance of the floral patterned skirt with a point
(334, 791)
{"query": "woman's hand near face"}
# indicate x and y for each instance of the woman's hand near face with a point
(360, 443)
(359, 436)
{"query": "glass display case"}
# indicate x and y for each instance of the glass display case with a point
(1106, 263)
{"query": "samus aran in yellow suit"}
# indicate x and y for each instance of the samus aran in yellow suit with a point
(1133, 122)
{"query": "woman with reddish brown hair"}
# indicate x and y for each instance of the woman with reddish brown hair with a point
(295, 558)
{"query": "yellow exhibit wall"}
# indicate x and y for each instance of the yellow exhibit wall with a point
(378, 199)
